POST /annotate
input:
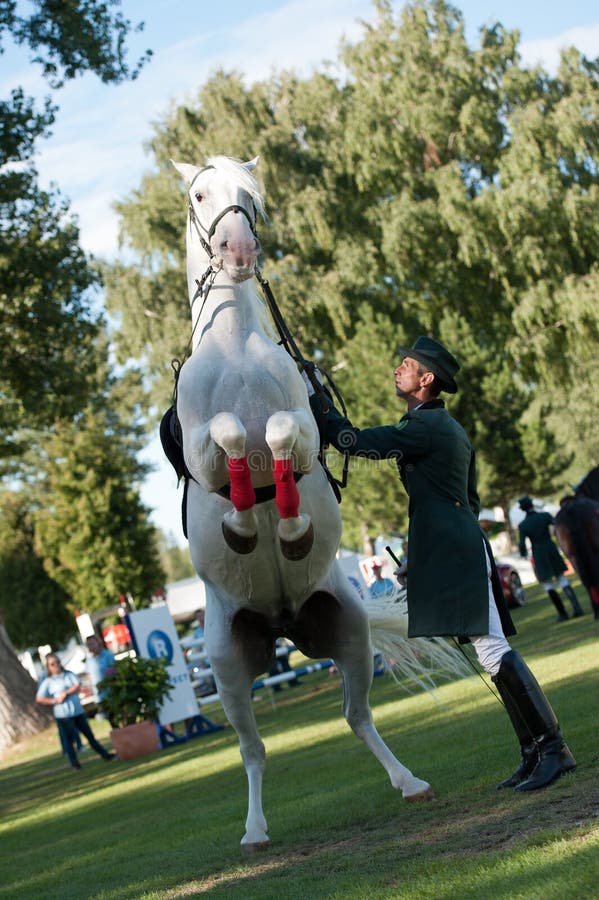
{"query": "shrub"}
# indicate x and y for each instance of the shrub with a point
(134, 690)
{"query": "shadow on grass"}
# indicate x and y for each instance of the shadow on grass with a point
(170, 824)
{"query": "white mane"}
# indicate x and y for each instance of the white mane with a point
(239, 173)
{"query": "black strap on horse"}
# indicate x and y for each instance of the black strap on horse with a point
(288, 342)
(170, 432)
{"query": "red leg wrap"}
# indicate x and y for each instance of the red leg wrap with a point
(287, 496)
(243, 495)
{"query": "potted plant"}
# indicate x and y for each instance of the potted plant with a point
(132, 693)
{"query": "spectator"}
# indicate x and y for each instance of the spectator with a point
(79, 748)
(577, 531)
(547, 561)
(281, 664)
(198, 632)
(380, 586)
(60, 691)
(99, 662)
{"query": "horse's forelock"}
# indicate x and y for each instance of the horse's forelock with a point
(237, 171)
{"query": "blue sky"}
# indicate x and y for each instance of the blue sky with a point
(96, 154)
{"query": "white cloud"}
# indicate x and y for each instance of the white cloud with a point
(546, 51)
(96, 155)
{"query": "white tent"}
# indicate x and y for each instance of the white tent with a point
(185, 597)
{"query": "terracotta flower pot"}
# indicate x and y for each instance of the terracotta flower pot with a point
(136, 740)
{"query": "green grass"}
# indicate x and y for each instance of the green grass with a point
(168, 825)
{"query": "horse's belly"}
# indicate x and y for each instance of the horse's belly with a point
(264, 579)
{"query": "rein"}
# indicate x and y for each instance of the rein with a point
(286, 338)
(209, 232)
(288, 342)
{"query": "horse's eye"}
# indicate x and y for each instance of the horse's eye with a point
(199, 197)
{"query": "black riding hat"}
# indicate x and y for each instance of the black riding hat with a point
(437, 360)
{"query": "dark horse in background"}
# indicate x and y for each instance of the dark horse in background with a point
(577, 531)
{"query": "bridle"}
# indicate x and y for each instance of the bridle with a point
(286, 339)
(209, 232)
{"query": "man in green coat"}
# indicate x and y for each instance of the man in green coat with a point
(453, 586)
(547, 561)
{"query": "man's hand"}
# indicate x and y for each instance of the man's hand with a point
(401, 575)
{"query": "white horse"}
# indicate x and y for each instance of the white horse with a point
(263, 522)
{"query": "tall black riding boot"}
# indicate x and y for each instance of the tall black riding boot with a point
(528, 748)
(576, 608)
(537, 720)
(562, 615)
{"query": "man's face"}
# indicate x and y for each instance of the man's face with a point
(407, 378)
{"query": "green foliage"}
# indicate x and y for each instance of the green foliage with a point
(36, 609)
(46, 324)
(135, 690)
(92, 530)
(446, 189)
(47, 328)
(373, 502)
(68, 39)
(175, 560)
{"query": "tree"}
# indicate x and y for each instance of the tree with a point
(446, 189)
(20, 716)
(174, 560)
(91, 529)
(46, 324)
(36, 609)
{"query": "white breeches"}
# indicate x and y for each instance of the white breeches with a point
(554, 583)
(491, 647)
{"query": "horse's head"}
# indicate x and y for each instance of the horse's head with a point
(224, 201)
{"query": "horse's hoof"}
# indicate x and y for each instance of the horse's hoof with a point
(422, 797)
(239, 543)
(299, 549)
(252, 849)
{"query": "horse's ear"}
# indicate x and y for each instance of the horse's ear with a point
(251, 164)
(187, 171)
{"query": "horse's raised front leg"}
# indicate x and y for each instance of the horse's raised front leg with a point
(240, 526)
(290, 436)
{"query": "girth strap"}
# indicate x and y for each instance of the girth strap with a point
(263, 494)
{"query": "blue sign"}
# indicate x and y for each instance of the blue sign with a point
(159, 645)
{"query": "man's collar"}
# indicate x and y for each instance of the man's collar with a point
(434, 403)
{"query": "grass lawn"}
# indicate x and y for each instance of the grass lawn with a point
(168, 825)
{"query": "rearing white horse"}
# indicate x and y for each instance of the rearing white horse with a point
(263, 522)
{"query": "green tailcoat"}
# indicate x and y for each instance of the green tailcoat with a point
(447, 569)
(546, 558)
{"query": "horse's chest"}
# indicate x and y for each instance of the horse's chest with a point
(243, 388)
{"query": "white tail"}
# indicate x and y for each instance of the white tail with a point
(422, 661)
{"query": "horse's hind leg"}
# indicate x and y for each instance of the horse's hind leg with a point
(342, 632)
(234, 667)
(356, 683)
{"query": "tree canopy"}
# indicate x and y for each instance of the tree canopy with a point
(437, 188)
(38, 611)
(47, 325)
(52, 371)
